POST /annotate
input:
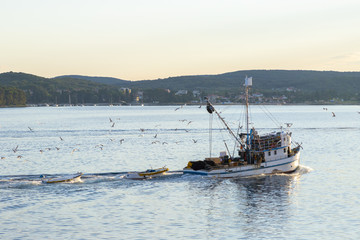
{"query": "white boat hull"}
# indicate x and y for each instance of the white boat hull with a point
(284, 165)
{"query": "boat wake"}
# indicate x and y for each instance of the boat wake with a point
(27, 181)
(24, 181)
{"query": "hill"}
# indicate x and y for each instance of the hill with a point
(305, 86)
(263, 79)
(101, 80)
(60, 90)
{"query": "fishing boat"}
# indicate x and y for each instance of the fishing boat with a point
(149, 173)
(66, 178)
(258, 154)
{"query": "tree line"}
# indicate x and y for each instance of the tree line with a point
(10, 96)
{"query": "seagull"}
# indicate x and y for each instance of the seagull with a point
(164, 143)
(155, 136)
(57, 148)
(112, 139)
(121, 141)
(183, 120)
(195, 141)
(180, 107)
(110, 120)
(154, 142)
(141, 129)
(31, 130)
(41, 151)
(19, 156)
(333, 114)
(61, 138)
(2, 157)
(113, 125)
(189, 122)
(75, 149)
(15, 149)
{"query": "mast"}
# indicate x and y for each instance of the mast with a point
(248, 83)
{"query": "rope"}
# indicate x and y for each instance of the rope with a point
(210, 133)
(269, 114)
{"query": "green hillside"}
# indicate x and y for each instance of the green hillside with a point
(60, 90)
(305, 87)
(102, 80)
(263, 79)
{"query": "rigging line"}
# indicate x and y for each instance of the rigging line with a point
(279, 124)
(240, 125)
(222, 127)
(269, 114)
(210, 132)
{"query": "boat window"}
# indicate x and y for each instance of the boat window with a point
(269, 153)
(275, 152)
(284, 150)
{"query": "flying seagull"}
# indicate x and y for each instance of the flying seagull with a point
(15, 149)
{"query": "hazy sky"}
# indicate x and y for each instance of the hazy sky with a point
(150, 39)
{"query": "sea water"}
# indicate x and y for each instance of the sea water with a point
(320, 200)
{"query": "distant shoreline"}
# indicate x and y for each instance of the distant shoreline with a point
(177, 104)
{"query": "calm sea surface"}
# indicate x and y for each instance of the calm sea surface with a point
(320, 201)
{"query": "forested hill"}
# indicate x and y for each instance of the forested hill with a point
(103, 80)
(262, 79)
(59, 90)
(305, 86)
(24, 80)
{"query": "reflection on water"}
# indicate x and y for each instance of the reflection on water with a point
(252, 205)
(238, 207)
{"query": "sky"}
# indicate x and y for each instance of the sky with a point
(151, 39)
